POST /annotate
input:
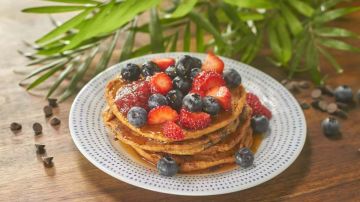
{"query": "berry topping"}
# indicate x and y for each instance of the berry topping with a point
(259, 123)
(257, 108)
(185, 64)
(194, 120)
(156, 100)
(210, 105)
(167, 166)
(130, 72)
(160, 83)
(213, 63)
(171, 71)
(192, 102)
(222, 95)
(244, 157)
(174, 98)
(149, 68)
(194, 72)
(207, 80)
(330, 127)
(182, 84)
(343, 94)
(137, 116)
(164, 63)
(135, 94)
(162, 114)
(172, 131)
(232, 78)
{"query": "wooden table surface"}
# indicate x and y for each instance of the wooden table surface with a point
(326, 170)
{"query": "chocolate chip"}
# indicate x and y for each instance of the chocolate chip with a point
(304, 84)
(40, 148)
(52, 102)
(48, 161)
(327, 90)
(116, 139)
(37, 128)
(305, 105)
(48, 111)
(55, 121)
(283, 82)
(316, 94)
(292, 86)
(15, 126)
(323, 106)
(340, 113)
(342, 105)
(332, 108)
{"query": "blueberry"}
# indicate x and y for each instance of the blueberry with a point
(330, 126)
(194, 72)
(232, 78)
(182, 84)
(192, 102)
(149, 68)
(174, 98)
(185, 64)
(244, 157)
(137, 116)
(343, 94)
(259, 123)
(156, 100)
(167, 166)
(130, 72)
(171, 71)
(210, 105)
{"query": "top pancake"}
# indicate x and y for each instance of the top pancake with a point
(154, 131)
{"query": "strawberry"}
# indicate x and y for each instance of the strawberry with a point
(194, 120)
(160, 83)
(207, 80)
(164, 63)
(257, 107)
(134, 94)
(162, 114)
(223, 96)
(172, 131)
(213, 63)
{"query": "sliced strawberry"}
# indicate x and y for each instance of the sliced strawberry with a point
(172, 131)
(257, 107)
(207, 80)
(194, 120)
(213, 63)
(161, 83)
(223, 96)
(164, 63)
(134, 94)
(162, 114)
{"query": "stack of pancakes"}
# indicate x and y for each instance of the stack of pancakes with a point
(212, 146)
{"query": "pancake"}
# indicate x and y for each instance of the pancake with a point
(229, 135)
(154, 131)
(191, 163)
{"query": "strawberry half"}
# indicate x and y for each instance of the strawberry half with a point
(204, 81)
(164, 63)
(223, 96)
(160, 83)
(194, 120)
(134, 94)
(172, 131)
(213, 63)
(257, 107)
(161, 114)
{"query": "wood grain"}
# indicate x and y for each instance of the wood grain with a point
(326, 170)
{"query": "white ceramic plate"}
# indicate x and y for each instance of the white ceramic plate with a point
(278, 150)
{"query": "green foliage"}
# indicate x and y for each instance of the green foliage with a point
(297, 32)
